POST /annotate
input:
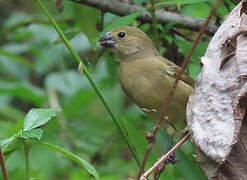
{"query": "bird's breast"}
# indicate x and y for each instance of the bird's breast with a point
(140, 82)
(146, 84)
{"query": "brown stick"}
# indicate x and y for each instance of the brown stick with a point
(172, 91)
(4, 171)
(164, 157)
(162, 16)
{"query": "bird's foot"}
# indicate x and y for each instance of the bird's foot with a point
(172, 159)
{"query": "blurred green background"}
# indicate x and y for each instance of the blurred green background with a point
(37, 71)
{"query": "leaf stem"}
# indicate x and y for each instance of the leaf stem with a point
(72, 156)
(4, 170)
(26, 152)
(89, 77)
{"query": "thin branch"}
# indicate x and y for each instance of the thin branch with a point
(172, 91)
(175, 31)
(4, 170)
(163, 17)
(164, 157)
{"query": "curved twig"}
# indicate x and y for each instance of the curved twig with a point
(164, 157)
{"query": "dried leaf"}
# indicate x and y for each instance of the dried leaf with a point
(226, 59)
(216, 108)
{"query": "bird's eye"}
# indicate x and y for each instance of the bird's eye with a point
(121, 34)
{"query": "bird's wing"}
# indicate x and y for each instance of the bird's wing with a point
(174, 72)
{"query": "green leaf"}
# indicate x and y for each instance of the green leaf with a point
(17, 58)
(83, 163)
(82, 14)
(10, 144)
(197, 10)
(138, 141)
(6, 142)
(123, 21)
(140, 144)
(11, 112)
(194, 64)
(34, 133)
(23, 90)
(66, 82)
(180, 2)
(140, 2)
(69, 34)
(38, 117)
(169, 26)
(169, 38)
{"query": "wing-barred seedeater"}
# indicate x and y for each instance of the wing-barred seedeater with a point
(146, 77)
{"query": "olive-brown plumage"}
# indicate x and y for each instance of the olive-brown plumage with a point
(147, 77)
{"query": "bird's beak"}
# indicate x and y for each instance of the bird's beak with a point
(107, 40)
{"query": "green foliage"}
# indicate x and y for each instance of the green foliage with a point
(38, 75)
(33, 133)
(72, 156)
(138, 141)
(197, 10)
(23, 90)
(122, 21)
(16, 58)
(180, 2)
(38, 117)
(30, 130)
(86, 72)
(194, 64)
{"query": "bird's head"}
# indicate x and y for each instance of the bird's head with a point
(129, 42)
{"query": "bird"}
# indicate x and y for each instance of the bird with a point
(146, 77)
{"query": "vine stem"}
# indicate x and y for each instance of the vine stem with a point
(172, 91)
(90, 79)
(4, 170)
(26, 152)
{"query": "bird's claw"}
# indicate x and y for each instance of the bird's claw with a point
(172, 159)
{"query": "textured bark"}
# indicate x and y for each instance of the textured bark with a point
(163, 17)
